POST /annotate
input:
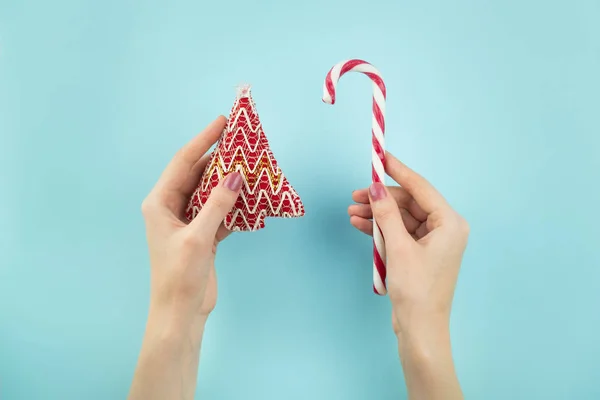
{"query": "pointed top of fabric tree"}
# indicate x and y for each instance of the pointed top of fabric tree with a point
(244, 148)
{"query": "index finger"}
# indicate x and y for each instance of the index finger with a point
(182, 174)
(176, 175)
(426, 196)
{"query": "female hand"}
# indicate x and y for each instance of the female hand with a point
(424, 240)
(182, 255)
(183, 280)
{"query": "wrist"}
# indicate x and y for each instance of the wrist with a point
(415, 320)
(427, 343)
(423, 333)
(182, 305)
(175, 322)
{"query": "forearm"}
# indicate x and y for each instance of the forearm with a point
(168, 363)
(426, 355)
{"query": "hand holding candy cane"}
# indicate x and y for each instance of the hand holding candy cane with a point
(378, 152)
(425, 240)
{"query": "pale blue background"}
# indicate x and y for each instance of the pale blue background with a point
(497, 103)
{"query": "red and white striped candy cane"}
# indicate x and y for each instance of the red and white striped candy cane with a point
(378, 153)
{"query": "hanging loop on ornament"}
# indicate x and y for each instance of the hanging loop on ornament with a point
(243, 90)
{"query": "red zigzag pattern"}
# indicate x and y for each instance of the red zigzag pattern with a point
(244, 148)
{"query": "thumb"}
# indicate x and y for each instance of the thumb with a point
(386, 213)
(219, 203)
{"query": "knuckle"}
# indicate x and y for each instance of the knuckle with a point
(148, 207)
(383, 213)
(464, 226)
(180, 153)
(221, 200)
(218, 202)
(461, 225)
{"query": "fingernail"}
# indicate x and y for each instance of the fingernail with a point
(377, 191)
(233, 181)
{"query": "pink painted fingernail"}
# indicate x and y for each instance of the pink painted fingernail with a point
(377, 191)
(233, 181)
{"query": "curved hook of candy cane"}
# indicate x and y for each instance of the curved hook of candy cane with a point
(378, 150)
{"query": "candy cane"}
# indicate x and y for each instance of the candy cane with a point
(378, 152)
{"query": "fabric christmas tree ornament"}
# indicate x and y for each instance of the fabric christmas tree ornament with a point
(243, 147)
